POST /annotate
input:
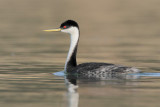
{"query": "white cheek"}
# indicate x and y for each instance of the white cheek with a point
(65, 30)
(70, 30)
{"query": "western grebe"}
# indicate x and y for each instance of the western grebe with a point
(93, 68)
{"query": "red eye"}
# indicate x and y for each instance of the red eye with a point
(64, 26)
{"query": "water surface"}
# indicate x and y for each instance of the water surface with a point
(120, 31)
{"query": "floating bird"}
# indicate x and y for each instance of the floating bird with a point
(92, 69)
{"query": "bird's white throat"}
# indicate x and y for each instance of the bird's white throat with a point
(74, 35)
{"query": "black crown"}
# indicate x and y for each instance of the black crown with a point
(69, 23)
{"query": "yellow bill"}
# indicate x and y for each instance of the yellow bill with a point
(52, 30)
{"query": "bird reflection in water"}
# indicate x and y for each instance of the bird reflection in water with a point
(72, 93)
(72, 86)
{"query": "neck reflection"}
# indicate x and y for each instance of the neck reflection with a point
(72, 94)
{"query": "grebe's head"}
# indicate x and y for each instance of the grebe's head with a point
(68, 26)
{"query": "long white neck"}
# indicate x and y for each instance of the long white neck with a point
(71, 57)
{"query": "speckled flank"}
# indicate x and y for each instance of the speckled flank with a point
(105, 67)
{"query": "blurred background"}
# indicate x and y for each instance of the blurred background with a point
(123, 32)
(113, 29)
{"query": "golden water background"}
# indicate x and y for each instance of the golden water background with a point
(123, 32)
